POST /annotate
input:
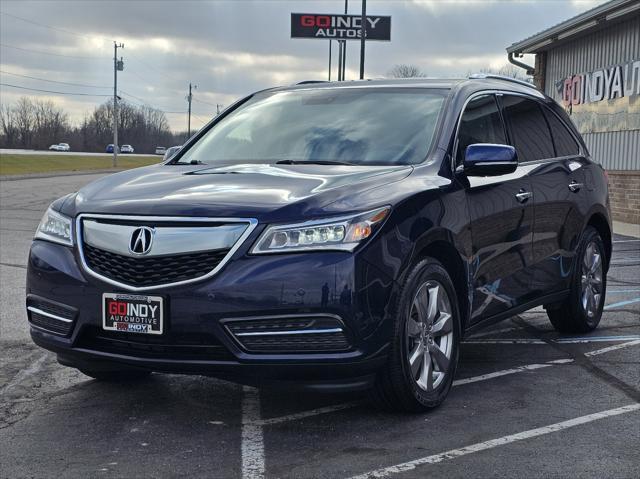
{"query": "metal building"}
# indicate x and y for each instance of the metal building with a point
(591, 65)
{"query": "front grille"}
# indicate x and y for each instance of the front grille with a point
(51, 316)
(186, 346)
(295, 334)
(152, 270)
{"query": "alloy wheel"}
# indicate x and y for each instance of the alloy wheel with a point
(591, 279)
(429, 335)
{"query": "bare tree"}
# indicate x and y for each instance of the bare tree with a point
(9, 126)
(34, 123)
(50, 124)
(509, 70)
(406, 71)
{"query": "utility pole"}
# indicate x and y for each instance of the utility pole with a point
(363, 31)
(189, 98)
(118, 65)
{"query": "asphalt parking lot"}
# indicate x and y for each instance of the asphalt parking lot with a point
(527, 402)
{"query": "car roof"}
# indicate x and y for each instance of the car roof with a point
(468, 85)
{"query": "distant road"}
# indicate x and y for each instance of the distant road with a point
(9, 151)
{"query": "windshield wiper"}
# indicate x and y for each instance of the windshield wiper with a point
(314, 162)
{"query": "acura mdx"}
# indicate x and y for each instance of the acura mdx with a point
(335, 236)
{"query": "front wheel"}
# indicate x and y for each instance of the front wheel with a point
(582, 310)
(424, 352)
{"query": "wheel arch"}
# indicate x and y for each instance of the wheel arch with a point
(600, 223)
(441, 248)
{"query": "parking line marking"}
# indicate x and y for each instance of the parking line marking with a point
(622, 303)
(496, 374)
(501, 441)
(506, 341)
(497, 331)
(458, 382)
(505, 372)
(626, 241)
(585, 339)
(596, 339)
(611, 348)
(252, 435)
(309, 413)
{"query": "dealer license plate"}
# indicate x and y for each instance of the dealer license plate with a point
(130, 313)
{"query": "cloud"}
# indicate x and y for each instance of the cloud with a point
(231, 48)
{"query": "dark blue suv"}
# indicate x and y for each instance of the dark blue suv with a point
(330, 235)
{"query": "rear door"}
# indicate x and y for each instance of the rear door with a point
(548, 149)
(501, 217)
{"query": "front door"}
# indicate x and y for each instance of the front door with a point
(501, 214)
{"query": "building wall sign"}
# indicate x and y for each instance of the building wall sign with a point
(606, 84)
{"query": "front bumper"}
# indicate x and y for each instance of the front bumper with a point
(196, 341)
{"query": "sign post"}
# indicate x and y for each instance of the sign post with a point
(341, 27)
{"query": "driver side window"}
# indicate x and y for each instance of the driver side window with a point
(480, 123)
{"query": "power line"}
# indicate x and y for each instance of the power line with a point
(46, 26)
(69, 32)
(204, 122)
(49, 53)
(150, 66)
(53, 81)
(50, 91)
(206, 102)
(146, 103)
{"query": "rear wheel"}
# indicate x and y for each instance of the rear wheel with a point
(582, 310)
(424, 352)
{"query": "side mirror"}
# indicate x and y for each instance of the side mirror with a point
(486, 159)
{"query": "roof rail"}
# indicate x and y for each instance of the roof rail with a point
(306, 82)
(477, 76)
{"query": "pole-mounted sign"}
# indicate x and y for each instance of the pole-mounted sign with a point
(340, 27)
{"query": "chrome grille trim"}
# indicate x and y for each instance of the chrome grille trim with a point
(296, 331)
(250, 223)
(48, 315)
(168, 240)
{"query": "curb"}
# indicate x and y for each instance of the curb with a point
(626, 229)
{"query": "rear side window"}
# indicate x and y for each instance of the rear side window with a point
(529, 130)
(565, 143)
(480, 123)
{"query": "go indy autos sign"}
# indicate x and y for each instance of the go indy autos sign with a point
(339, 27)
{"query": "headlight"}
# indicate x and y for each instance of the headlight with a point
(55, 227)
(344, 233)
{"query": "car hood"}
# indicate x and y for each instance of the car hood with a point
(261, 191)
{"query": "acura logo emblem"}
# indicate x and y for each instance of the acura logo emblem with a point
(141, 240)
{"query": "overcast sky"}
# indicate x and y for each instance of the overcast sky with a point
(231, 48)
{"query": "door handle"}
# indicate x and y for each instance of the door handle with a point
(575, 186)
(523, 195)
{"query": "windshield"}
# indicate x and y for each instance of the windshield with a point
(347, 125)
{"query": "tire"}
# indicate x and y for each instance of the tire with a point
(403, 384)
(116, 376)
(582, 310)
